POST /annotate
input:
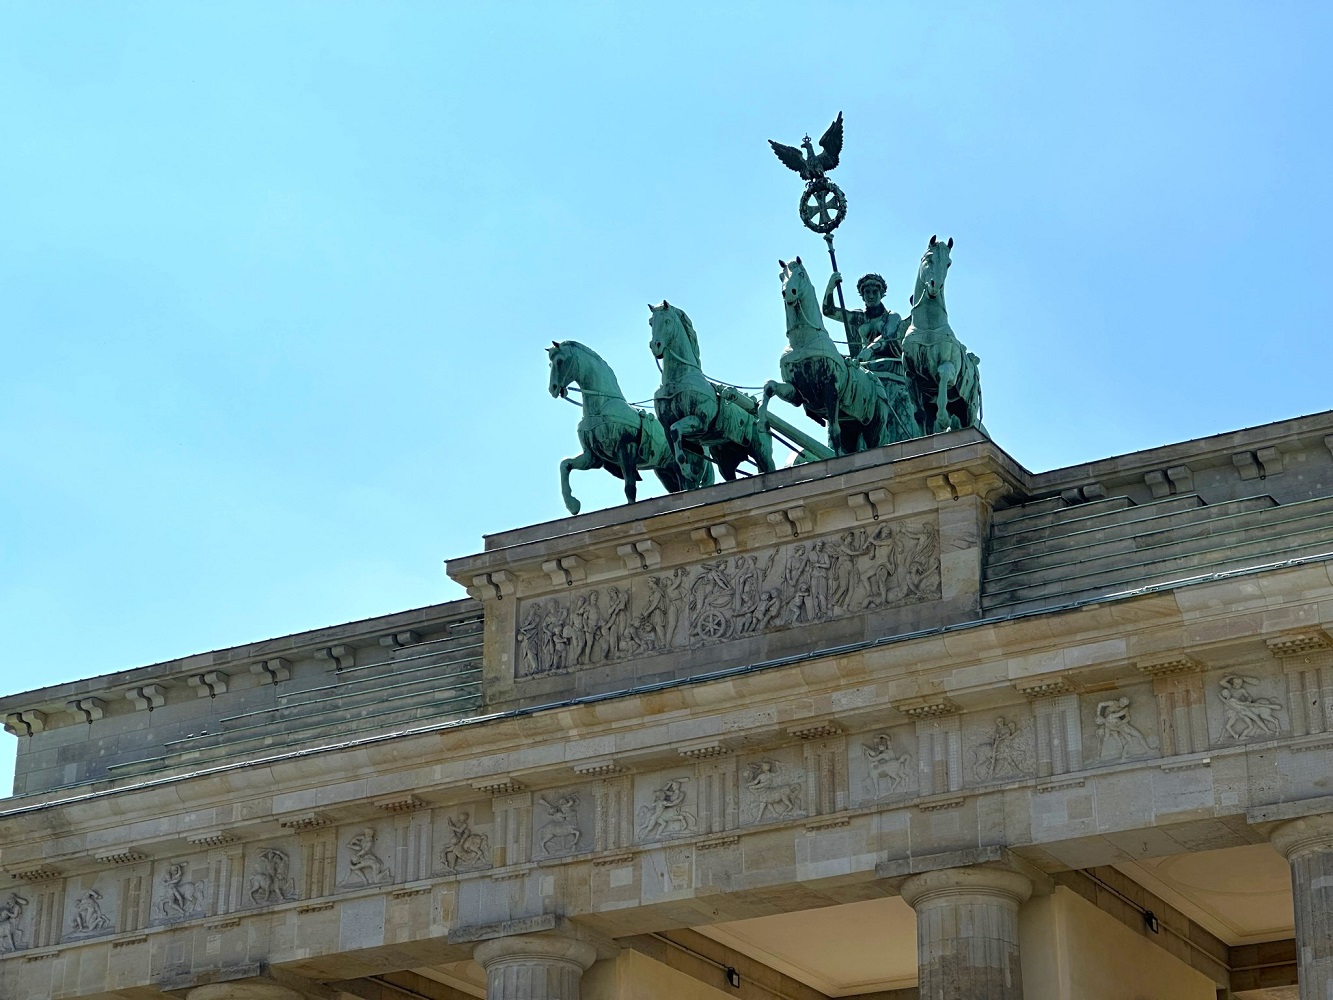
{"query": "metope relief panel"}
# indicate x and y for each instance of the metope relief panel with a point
(365, 856)
(15, 929)
(1000, 747)
(893, 565)
(772, 788)
(1119, 725)
(1243, 707)
(883, 765)
(562, 823)
(666, 805)
(180, 890)
(465, 838)
(91, 907)
(271, 875)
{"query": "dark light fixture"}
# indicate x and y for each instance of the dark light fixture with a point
(733, 978)
(1150, 921)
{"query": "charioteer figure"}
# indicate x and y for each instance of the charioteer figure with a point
(872, 327)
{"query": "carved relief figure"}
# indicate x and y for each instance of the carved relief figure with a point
(271, 881)
(667, 814)
(467, 848)
(88, 915)
(1120, 737)
(365, 866)
(731, 597)
(885, 766)
(11, 911)
(562, 824)
(769, 793)
(183, 896)
(1001, 754)
(1246, 715)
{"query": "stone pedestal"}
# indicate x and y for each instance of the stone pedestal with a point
(1307, 844)
(967, 932)
(533, 968)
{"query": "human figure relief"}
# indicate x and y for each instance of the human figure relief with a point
(594, 630)
(529, 639)
(769, 793)
(562, 824)
(847, 552)
(1001, 755)
(1246, 715)
(183, 896)
(617, 620)
(272, 881)
(667, 814)
(11, 911)
(579, 638)
(1120, 737)
(885, 765)
(365, 867)
(467, 848)
(88, 915)
(821, 569)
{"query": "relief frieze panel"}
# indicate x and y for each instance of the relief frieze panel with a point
(733, 597)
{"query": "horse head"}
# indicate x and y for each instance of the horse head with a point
(672, 334)
(934, 269)
(562, 369)
(799, 296)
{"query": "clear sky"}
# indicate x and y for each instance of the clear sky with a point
(275, 277)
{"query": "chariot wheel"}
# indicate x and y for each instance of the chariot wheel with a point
(713, 624)
(823, 206)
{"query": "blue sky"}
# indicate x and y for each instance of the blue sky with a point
(275, 278)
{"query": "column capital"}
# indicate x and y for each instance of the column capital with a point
(242, 991)
(529, 947)
(952, 883)
(1301, 836)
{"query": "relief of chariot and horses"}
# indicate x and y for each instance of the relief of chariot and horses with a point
(856, 571)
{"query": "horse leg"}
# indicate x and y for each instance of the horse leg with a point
(629, 469)
(835, 440)
(583, 461)
(945, 375)
(681, 429)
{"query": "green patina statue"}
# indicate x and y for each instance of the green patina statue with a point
(616, 436)
(697, 417)
(864, 326)
(941, 374)
(832, 389)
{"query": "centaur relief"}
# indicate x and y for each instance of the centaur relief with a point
(891, 565)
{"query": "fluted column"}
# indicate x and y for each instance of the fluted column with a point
(967, 932)
(1307, 844)
(242, 991)
(533, 968)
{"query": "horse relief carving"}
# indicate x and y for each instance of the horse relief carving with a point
(11, 912)
(1002, 753)
(1246, 715)
(560, 834)
(88, 916)
(769, 794)
(858, 571)
(183, 897)
(466, 848)
(889, 771)
(271, 881)
(667, 816)
(365, 867)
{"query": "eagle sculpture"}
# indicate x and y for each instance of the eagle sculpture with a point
(810, 165)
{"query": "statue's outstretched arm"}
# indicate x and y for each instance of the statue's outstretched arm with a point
(830, 307)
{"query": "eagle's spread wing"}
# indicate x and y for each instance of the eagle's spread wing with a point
(791, 156)
(831, 144)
